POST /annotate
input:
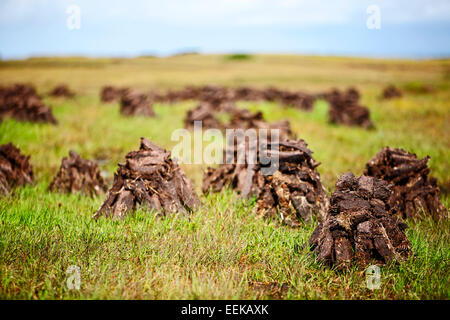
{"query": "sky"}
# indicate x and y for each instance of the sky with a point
(407, 28)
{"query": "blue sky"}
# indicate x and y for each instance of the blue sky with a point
(413, 28)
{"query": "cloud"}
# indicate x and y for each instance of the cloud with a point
(227, 12)
(130, 27)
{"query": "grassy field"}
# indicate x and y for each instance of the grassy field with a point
(223, 251)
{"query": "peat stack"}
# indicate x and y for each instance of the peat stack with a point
(136, 104)
(186, 93)
(414, 190)
(391, 92)
(359, 226)
(215, 95)
(149, 179)
(298, 100)
(248, 94)
(220, 99)
(112, 94)
(171, 96)
(15, 168)
(292, 189)
(78, 175)
(156, 96)
(19, 89)
(345, 109)
(22, 103)
(62, 91)
(272, 94)
(205, 113)
(245, 119)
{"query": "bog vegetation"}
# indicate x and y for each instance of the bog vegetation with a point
(223, 249)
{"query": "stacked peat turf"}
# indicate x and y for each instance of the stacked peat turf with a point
(345, 109)
(214, 95)
(359, 226)
(291, 188)
(78, 175)
(62, 91)
(272, 94)
(134, 103)
(22, 103)
(186, 93)
(391, 92)
(156, 96)
(217, 96)
(245, 119)
(15, 168)
(112, 94)
(248, 94)
(295, 188)
(297, 99)
(414, 190)
(149, 179)
(204, 112)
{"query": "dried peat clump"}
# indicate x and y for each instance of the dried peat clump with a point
(112, 94)
(205, 113)
(294, 189)
(78, 175)
(359, 226)
(414, 190)
(391, 92)
(155, 96)
(136, 104)
(218, 96)
(149, 179)
(248, 94)
(15, 168)
(345, 109)
(295, 99)
(22, 103)
(245, 119)
(62, 91)
(298, 100)
(214, 95)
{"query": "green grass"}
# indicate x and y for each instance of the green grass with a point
(224, 250)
